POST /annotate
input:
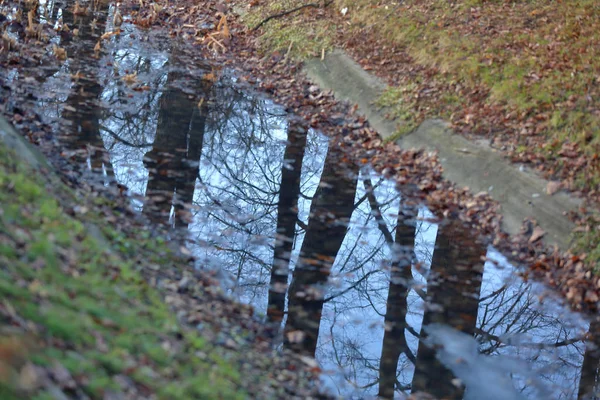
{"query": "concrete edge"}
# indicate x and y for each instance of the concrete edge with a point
(520, 191)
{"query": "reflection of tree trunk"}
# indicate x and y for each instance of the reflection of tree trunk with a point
(590, 369)
(394, 339)
(83, 109)
(287, 214)
(457, 269)
(330, 213)
(173, 160)
(189, 167)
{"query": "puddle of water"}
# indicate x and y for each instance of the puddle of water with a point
(388, 301)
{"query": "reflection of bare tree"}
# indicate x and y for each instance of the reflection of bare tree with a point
(589, 387)
(83, 110)
(453, 290)
(330, 212)
(287, 216)
(394, 338)
(239, 184)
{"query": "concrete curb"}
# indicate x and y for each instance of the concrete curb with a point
(521, 193)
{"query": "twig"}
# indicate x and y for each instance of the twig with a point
(293, 10)
(215, 41)
(289, 49)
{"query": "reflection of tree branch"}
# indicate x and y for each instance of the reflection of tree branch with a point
(301, 224)
(377, 212)
(562, 343)
(120, 139)
(412, 331)
(245, 253)
(305, 197)
(349, 288)
(371, 256)
(402, 388)
(233, 176)
(493, 294)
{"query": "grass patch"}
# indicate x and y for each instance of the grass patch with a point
(397, 104)
(533, 59)
(72, 304)
(299, 36)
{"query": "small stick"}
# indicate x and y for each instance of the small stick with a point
(293, 10)
(287, 53)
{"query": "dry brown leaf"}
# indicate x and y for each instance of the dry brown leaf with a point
(553, 187)
(537, 234)
(59, 53)
(209, 77)
(130, 79)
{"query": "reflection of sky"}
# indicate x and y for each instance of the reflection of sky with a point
(352, 328)
(244, 176)
(235, 204)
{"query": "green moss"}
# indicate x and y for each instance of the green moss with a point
(98, 385)
(91, 299)
(396, 103)
(589, 243)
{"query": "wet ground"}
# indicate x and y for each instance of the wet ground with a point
(389, 300)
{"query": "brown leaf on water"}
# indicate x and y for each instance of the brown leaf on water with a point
(118, 18)
(130, 79)
(59, 53)
(210, 77)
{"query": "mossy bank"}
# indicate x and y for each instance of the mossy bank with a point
(95, 313)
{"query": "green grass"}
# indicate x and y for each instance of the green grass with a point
(87, 306)
(290, 36)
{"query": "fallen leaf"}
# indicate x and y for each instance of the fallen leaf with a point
(553, 187)
(59, 53)
(537, 234)
(130, 79)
